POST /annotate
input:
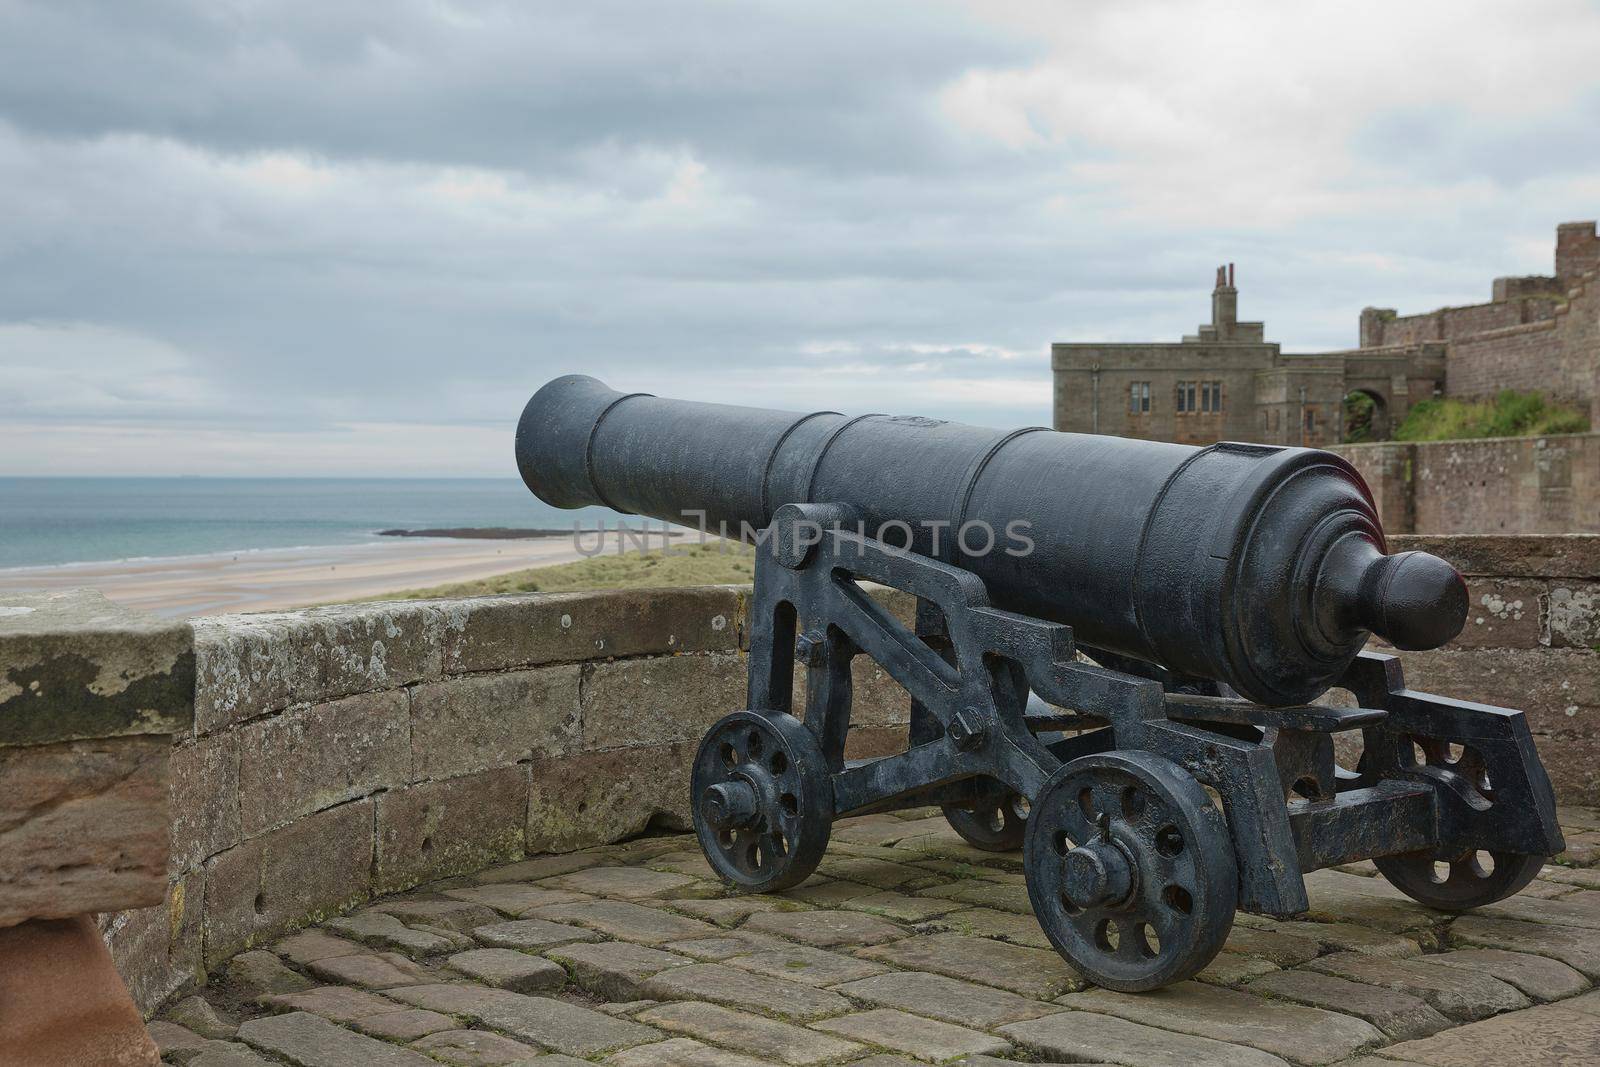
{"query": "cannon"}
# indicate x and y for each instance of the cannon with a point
(1114, 665)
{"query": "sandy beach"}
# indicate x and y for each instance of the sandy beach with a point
(275, 579)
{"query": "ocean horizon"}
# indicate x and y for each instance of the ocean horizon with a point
(62, 521)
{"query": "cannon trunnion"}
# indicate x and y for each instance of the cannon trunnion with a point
(1150, 800)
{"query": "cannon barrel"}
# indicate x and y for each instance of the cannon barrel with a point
(1260, 566)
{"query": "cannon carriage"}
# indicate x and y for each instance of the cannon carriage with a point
(1117, 673)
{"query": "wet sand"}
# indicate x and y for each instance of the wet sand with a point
(275, 579)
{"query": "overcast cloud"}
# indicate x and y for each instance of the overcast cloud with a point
(338, 238)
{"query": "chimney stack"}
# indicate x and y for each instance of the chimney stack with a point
(1224, 304)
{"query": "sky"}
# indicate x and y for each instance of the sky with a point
(300, 238)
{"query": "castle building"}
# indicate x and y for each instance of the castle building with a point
(1226, 382)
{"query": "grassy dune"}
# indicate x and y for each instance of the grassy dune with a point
(717, 563)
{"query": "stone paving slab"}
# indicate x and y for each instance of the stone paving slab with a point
(910, 948)
(758, 1036)
(1295, 1032)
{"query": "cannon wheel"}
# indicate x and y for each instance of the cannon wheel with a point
(1465, 882)
(996, 820)
(1130, 870)
(763, 800)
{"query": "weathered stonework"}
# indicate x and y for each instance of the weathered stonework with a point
(1501, 485)
(1534, 603)
(91, 697)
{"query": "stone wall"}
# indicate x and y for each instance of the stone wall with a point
(1532, 642)
(1505, 485)
(1557, 355)
(340, 753)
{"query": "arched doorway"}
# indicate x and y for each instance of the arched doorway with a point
(1366, 417)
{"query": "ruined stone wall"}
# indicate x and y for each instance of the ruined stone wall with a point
(1455, 323)
(1558, 356)
(340, 753)
(1532, 642)
(1505, 485)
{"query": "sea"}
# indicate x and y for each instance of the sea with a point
(52, 521)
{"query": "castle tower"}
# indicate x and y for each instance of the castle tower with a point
(1577, 250)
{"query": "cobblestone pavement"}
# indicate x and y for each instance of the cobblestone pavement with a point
(907, 947)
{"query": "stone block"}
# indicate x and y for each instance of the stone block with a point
(373, 970)
(379, 928)
(627, 921)
(1553, 1034)
(462, 725)
(301, 1037)
(659, 700)
(614, 970)
(205, 799)
(301, 873)
(544, 1021)
(261, 974)
(1033, 972)
(1502, 613)
(1084, 1037)
(1558, 688)
(802, 963)
(506, 968)
(679, 1052)
(527, 630)
(83, 826)
(934, 995)
(768, 1038)
(75, 666)
(1398, 1014)
(824, 929)
(595, 797)
(479, 1048)
(157, 950)
(1538, 977)
(334, 1003)
(1459, 993)
(436, 829)
(924, 1038)
(733, 988)
(1578, 948)
(252, 664)
(1498, 554)
(310, 758)
(1304, 1035)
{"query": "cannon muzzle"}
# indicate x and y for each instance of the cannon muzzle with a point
(1259, 566)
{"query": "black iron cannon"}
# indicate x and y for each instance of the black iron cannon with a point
(1115, 652)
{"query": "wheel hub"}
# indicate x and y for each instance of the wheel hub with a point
(730, 805)
(1096, 875)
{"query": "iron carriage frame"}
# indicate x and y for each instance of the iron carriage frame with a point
(1150, 807)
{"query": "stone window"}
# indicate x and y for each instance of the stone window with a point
(1138, 398)
(1184, 404)
(1210, 397)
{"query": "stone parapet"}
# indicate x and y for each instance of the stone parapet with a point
(343, 752)
(1531, 642)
